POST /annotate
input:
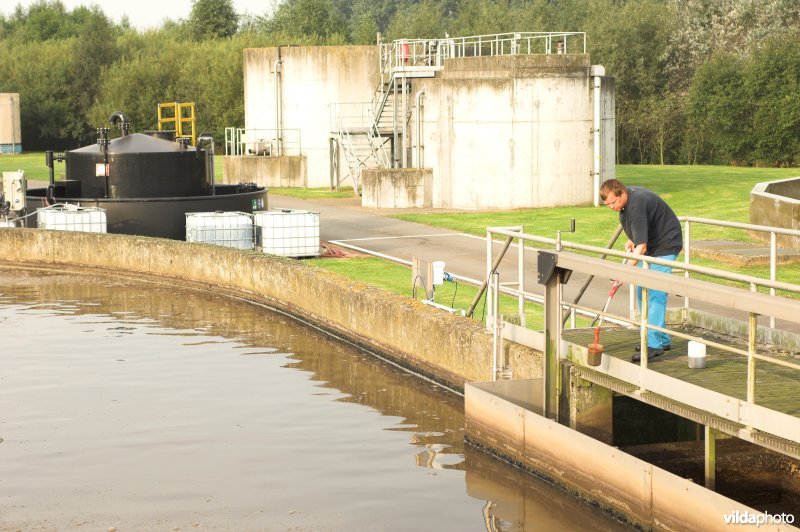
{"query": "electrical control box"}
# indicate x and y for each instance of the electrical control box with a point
(15, 189)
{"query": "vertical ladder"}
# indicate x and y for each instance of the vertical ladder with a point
(181, 116)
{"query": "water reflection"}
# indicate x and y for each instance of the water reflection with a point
(142, 405)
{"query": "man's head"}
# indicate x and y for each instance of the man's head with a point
(614, 194)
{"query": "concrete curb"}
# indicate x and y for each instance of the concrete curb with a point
(447, 348)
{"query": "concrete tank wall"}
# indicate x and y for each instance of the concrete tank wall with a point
(509, 131)
(283, 171)
(450, 349)
(313, 77)
(10, 130)
(776, 204)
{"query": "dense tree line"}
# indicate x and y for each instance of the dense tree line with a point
(698, 81)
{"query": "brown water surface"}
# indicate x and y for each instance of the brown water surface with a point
(144, 406)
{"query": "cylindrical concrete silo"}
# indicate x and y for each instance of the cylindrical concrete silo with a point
(10, 135)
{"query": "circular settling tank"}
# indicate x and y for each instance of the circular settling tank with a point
(146, 185)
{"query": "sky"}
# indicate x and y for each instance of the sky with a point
(144, 14)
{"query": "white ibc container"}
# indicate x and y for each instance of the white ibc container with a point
(287, 232)
(7, 223)
(72, 218)
(229, 229)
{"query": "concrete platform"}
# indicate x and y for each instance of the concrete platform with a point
(741, 253)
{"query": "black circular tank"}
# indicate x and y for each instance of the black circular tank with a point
(139, 166)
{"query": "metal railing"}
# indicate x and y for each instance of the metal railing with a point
(402, 53)
(751, 303)
(773, 232)
(357, 119)
(755, 283)
(264, 142)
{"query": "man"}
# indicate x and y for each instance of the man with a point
(653, 230)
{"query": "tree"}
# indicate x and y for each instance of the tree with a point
(733, 26)
(91, 55)
(719, 106)
(772, 83)
(423, 21)
(212, 19)
(307, 18)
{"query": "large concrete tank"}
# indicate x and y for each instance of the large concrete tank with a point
(10, 128)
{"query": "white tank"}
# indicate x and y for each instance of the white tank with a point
(287, 232)
(72, 218)
(229, 229)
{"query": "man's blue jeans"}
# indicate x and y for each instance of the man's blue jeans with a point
(656, 307)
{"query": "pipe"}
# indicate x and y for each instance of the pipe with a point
(419, 96)
(203, 138)
(278, 101)
(117, 116)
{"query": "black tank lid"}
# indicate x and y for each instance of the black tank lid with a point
(137, 143)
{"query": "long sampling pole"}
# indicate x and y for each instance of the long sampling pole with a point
(611, 242)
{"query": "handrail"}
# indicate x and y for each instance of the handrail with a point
(729, 276)
(263, 141)
(741, 225)
(402, 53)
(751, 302)
(773, 247)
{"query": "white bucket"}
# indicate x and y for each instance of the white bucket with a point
(697, 355)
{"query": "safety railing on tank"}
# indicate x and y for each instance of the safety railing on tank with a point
(432, 52)
(753, 304)
(263, 142)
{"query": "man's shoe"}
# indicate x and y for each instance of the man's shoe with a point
(665, 347)
(651, 354)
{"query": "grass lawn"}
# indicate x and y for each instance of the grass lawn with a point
(33, 164)
(718, 192)
(313, 193)
(397, 278)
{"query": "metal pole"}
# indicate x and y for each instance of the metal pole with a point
(643, 330)
(396, 159)
(773, 268)
(552, 342)
(711, 458)
(493, 267)
(404, 125)
(686, 253)
(521, 279)
(751, 361)
(497, 325)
